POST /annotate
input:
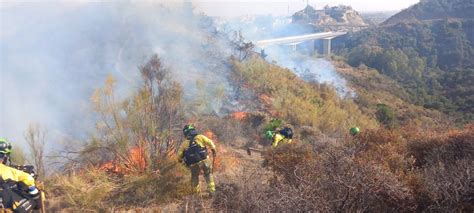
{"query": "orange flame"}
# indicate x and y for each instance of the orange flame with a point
(210, 135)
(136, 158)
(134, 161)
(229, 162)
(110, 166)
(239, 115)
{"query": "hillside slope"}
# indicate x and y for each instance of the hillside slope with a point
(374, 89)
(399, 165)
(432, 59)
(428, 10)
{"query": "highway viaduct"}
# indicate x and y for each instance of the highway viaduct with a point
(293, 41)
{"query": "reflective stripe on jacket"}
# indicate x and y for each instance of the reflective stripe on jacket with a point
(201, 140)
(8, 173)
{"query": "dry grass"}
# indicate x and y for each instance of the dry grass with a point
(94, 189)
(298, 102)
(378, 171)
(87, 189)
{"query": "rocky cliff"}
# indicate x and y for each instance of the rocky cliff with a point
(330, 18)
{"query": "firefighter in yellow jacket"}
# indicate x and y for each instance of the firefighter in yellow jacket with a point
(11, 199)
(284, 136)
(194, 154)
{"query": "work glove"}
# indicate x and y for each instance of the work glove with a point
(213, 153)
(34, 192)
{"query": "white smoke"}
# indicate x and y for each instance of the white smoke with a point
(53, 55)
(309, 68)
(316, 70)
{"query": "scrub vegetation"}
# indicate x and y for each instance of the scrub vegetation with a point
(402, 167)
(408, 92)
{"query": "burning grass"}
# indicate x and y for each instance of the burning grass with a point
(134, 162)
(225, 159)
(95, 189)
(240, 116)
(116, 185)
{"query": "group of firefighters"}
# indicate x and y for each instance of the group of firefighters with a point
(193, 152)
(19, 193)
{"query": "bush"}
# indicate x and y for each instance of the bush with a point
(298, 102)
(446, 148)
(95, 189)
(87, 189)
(450, 187)
(377, 171)
(287, 158)
(331, 181)
(386, 116)
(172, 182)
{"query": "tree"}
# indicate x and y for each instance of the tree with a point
(35, 137)
(161, 98)
(241, 46)
(145, 122)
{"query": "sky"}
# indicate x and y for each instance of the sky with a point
(232, 8)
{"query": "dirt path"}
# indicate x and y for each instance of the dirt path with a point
(203, 202)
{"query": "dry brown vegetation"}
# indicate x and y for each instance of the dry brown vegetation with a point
(380, 171)
(301, 103)
(410, 168)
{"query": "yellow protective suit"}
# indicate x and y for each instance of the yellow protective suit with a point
(201, 140)
(203, 165)
(8, 173)
(280, 139)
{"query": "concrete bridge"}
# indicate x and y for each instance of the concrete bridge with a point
(293, 41)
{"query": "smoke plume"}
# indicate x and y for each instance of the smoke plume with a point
(311, 69)
(53, 55)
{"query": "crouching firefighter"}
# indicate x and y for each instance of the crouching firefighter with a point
(18, 190)
(284, 136)
(194, 154)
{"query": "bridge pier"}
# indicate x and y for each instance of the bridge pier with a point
(262, 53)
(327, 46)
(314, 47)
(294, 47)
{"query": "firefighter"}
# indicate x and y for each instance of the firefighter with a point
(18, 190)
(283, 136)
(194, 154)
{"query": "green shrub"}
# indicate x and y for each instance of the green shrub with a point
(386, 116)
